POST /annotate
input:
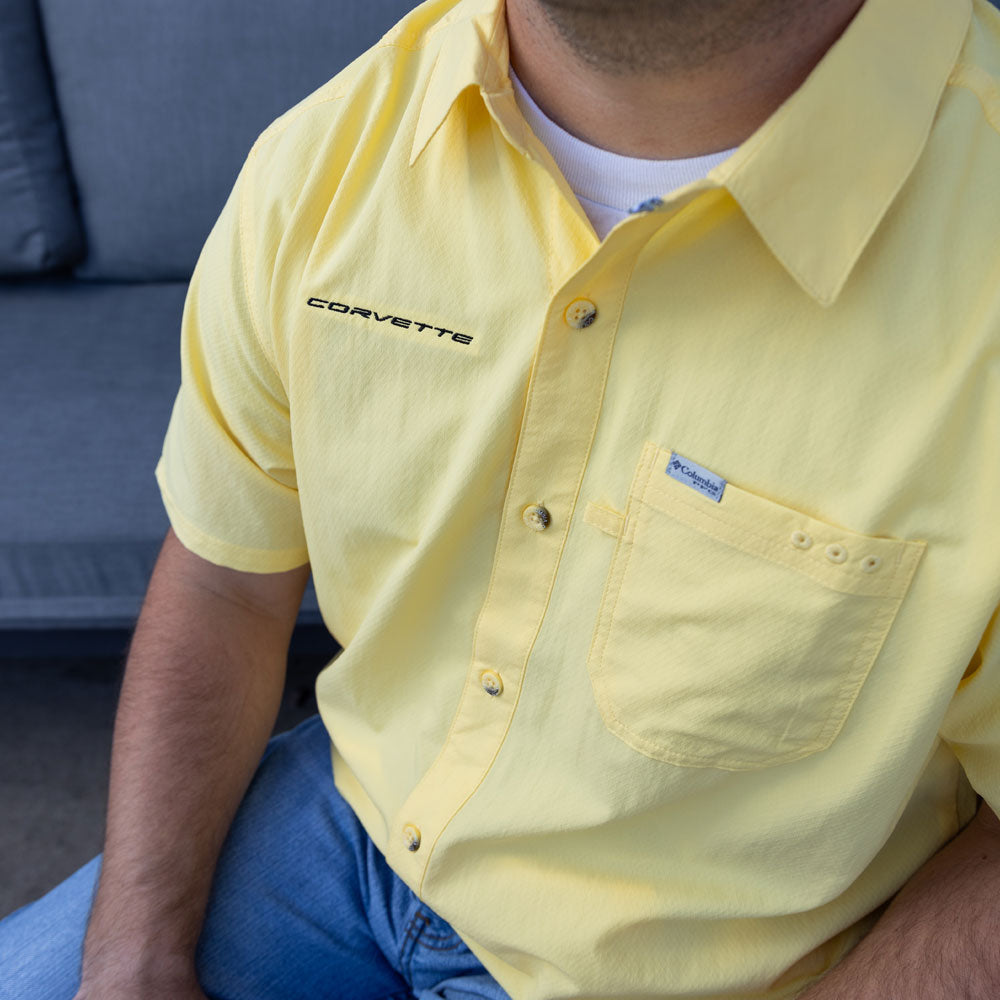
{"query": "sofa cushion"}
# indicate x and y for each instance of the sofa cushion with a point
(80, 516)
(162, 100)
(81, 519)
(39, 226)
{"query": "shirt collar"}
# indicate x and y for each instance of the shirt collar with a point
(818, 176)
(472, 51)
(816, 179)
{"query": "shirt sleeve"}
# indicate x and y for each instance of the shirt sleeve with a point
(971, 725)
(227, 472)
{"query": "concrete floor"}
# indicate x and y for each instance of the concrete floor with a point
(56, 718)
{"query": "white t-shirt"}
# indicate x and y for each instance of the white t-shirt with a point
(608, 185)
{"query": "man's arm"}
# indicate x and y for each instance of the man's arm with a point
(201, 691)
(940, 937)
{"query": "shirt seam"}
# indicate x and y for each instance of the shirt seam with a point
(245, 239)
(282, 124)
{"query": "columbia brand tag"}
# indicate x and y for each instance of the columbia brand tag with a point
(692, 474)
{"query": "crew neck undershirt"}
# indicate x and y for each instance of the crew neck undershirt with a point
(609, 186)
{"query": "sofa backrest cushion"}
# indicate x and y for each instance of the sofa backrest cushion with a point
(162, 99)
(39, 225)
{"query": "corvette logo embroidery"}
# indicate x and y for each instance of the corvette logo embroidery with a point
(400, 321)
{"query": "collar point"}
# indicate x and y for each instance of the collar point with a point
(824, 292)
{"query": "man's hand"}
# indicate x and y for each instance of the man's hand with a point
(201, 691)
(940, 937)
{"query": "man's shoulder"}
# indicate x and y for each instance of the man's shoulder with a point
(376, 91)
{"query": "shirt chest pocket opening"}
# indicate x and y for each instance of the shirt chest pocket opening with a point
(737, 634)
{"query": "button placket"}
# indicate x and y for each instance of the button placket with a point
(562, 405)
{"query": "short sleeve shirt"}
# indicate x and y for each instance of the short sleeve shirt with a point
(666, 566)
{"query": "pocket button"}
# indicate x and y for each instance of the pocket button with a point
(836, 553)
(870, 563)
(801, 540)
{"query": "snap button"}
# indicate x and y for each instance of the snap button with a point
(491, 682)
(801, 540)
(536, 516)
(836, 553)
(580, 313)
(870, 563)
(411, 835)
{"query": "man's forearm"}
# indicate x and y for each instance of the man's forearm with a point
(940, 937)
(198, 703)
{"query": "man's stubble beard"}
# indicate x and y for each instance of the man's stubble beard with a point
(637, 37)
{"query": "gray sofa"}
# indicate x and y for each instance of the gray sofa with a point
(123, 125)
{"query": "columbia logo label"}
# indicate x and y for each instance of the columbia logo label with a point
(692, 474)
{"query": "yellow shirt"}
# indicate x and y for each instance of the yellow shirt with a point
(664, 566)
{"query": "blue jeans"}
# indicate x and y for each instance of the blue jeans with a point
(303, 907)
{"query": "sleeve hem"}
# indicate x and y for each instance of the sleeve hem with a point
(223, 553)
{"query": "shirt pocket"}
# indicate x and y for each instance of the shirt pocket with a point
(736, 633)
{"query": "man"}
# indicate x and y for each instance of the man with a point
(662, 543)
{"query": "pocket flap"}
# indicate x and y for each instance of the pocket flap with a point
(840, 559)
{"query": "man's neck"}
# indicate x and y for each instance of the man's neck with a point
(670, 114)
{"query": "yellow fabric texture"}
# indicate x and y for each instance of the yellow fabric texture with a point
(656, 743)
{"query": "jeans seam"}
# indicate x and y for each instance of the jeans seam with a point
(419, 935)
(408, 944)
(439, 942)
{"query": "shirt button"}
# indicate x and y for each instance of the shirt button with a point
(801, 540)
(536, 516)
(870, 563)
(580, 313)
(491, 682)
(836, 553)
(411, 836)
(649, 205)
